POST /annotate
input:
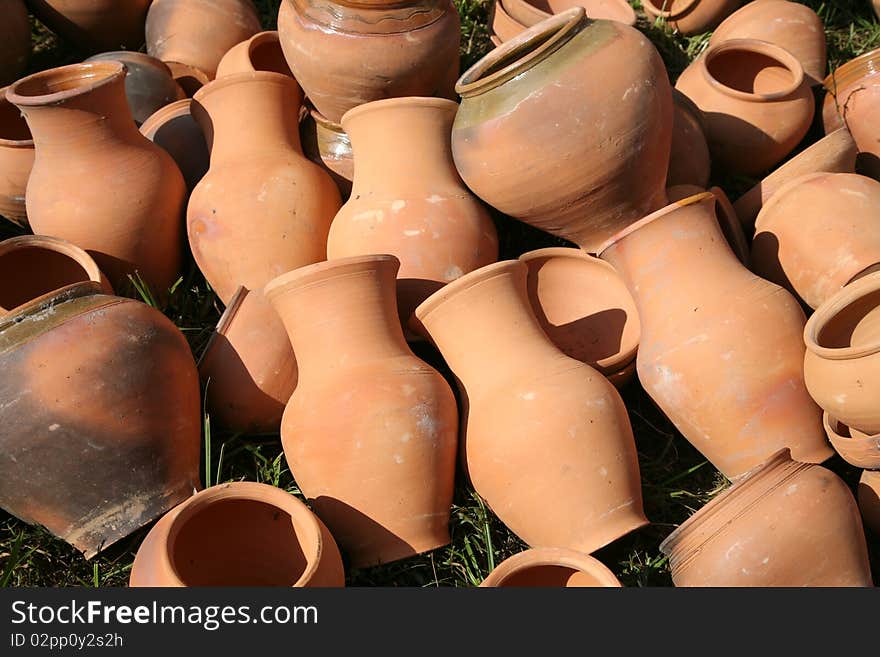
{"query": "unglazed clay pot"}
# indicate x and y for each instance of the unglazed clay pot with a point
(689, 162)
(408, 200)
(835, 153)
(199, 32)
(149, 84)
(869, 499)
(757, 103)
(262, 209)
(95, 25)
(519, 140)
(584, 308)
(326, 144)
(503, 26)
(551, 568)
(721, 350)
(690, 16)
(785, 524)
(100, 420)
(724, 212)
(16, 161)
(15, 35)
(531, 412)
(239, 534)
(188, 77)
(856, 448)
(345, 54)
(818, 233)
(370, 433)
(262, 52)
(248, 366)
(853, 99)
(532, 12)
(123, 201)
(174, 129)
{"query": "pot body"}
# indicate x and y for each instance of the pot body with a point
(95, 25)
(504, 26)
(15, 34)
(174, 129)
(16, 161)
(853, 99)
(691, 16)
(262, 52)
(326, 144)
(689, 161)
(550, 567)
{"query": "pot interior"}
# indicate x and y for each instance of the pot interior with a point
(550, 576)
(267, 56)
(750, 72)
(13, 127)
(517, 54)
(66, 78)
(27, 273)
(855, 325)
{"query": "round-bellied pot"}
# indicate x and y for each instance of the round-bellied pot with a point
(188, 77)
(531, 12)
(15, 35)
(503, 26)
(326, 144)
(174, 129)
(123, 201)
(345, 54)
(95, 25)
(262, 52)
(724, 212)
(16, 161)
(519, 141)
(690, 16)
(757, 103)
(689, 161)
(856, 448)
(522, 396)
(239, 534)
(370, 433)
(709, 326)
(551, 568)
(785, 524)
(869, 499)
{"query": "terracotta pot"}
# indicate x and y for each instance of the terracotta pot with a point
(690, 16)
(689, 162)
(869, 499)
(100, 421)
(149, 84)
(188, 77)
(121, 202)
(551, 567)
(16, 161)
(835, 153)
(262, 52)
(785, 524)
(503, 25)
(856, 448)
(262, 209)
(522, 397)
(15, 35)
(724, 212)
(532, 12)
(347, 54)
(326, 144)
(709, 327)
(248, 366)
(842, 363)
(199, 32)
(174, 129)
(584, 308)
(757, 103)
(408, 200)
(239, 534)
(94, 25)
(817, 233)
(370, 432)
(521, 104)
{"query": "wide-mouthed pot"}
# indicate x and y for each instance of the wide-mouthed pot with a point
(551, 568)
(15, 35)
(16, 161)
(262, 52)
(690, 16)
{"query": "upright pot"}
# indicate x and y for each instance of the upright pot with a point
(95, 25)
(15, 35)
(721, 351)
(16, 161)
(853, 99)
(370, 432)
(262, 52)
(551, 567)
(519, 140)
(690, 16)
(174, 129)
(326, 144)
(97, 181)
(522, 397)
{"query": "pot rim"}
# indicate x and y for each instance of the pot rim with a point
(258, 40)
(776, 198)
(92, 75)
(463, 283)
(650, 9)
(864, 65)
(166, 113)
(391, 103)
(522, 561)
(833, 306)
(778, 53)
(13, 143)
(132, 55)
(245, 77)
(851, 447)
(179, 69)
(324, 270)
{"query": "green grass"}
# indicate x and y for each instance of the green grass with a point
(677, 480)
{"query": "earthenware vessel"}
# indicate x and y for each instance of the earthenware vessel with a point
(551, 567)
(199, 32)
(326, 144)
(514, 138)
(689, 162)
(531, 411)
(15, 34)
(370, 433)
(16, 161)
(869, 500)
(97, 181)
(503, 26)
(784, 524)
(239, 534)
(690, 16)
(532, 12)
(262, 209)
(757, 103)
(856, 448)
(408, 200)
(724, 212)
(345, 54)
(262, 52)
(188, 77)
(100, 421)
(721, 350)
(174, 129)
(94, 25)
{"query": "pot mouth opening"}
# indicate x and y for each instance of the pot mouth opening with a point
(667, 8)
(265, 54)
(847, 325)
(59, 84)
(556, 568)
(469, 280)
(170, 111)
(862, 66)
(750, 69)
(423, 102)
(14, 130)
(327, 270)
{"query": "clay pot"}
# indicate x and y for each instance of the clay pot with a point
(690, 16)
(100, 420)
(248, 366)
(689, 162)
(347, 54)
(551, 567)
(856, 448)
(199, 32)
(869, 499)
(94, 25)
(16, 161)
(239, 534)
(817, 233)
(835, 153)
(407, 198)
(188, 77)
(584, 308)
(121, 202)
(757, 103)
(15, 35)
(842, 363)
(532, 12)
(149, 85)
(326, 144)
(514, 137)
(721, 351)
(503, 26)
(262, 209)
(262, 52)
(174, 129)
(370, 432)
(785, 524)
(724, 212)
(522, 397)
